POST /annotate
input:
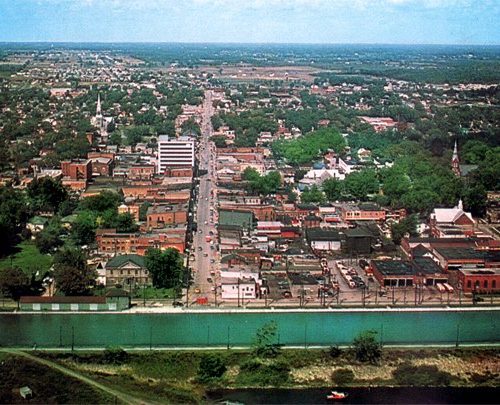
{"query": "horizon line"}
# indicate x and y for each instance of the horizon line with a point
(2, 42)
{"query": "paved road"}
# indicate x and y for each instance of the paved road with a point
(121, 396)
(205, 253)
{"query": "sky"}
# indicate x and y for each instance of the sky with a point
(466, 22)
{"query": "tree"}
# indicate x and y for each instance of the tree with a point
(360, 184)
(366, 348)
(211, 366)
(333, 189)
(46, 194)
(265, 344)
(49, 238)
(101, 202)
(407, 225)
(312, 195)
(71, 274)
(165, 267)
(74, 281)
(475, 199)
(83, 228)
(14, 283)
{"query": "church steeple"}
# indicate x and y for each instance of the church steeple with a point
(98, 109)
(455, 161)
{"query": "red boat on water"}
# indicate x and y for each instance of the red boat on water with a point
(337, 396)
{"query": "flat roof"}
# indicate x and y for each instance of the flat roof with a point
(394, 267)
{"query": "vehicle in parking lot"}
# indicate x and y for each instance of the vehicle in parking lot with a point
(286, 294)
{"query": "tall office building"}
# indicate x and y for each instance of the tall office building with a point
(175, 152)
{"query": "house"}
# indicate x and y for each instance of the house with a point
(36, 225)
(127, 270)
(323, 239)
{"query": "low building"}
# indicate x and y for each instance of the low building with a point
(480, 280)
(363, 212)
(127, 270)
(323, 239)
(239, 288)
(117, 300)
(159, 216)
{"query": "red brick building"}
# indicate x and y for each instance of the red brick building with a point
(158, 216)
(78, 169)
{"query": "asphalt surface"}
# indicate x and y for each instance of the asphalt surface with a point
(205, 253)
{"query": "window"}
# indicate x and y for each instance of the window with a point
(37, 307)
(469, 284)
(74, 307)
(493, 284)
(93, 307)
(485, 284)
(55, 307)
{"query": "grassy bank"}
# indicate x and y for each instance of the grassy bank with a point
(48, 386)
(174, 377)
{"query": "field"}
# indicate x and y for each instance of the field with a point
(28, 258)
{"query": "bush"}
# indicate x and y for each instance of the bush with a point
(334, 352)
(211, 366)
(343, 376)
(264, 374)
(366, 348)
(114, 355)
(422, 376)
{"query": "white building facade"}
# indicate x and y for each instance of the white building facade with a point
(175, 152)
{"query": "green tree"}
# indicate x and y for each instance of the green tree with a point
(361, 184)
(312, 195)
(405, 226)
(14, 283)
(46, 194)
(73, 281)
(71, 274)
(165, 267)
(83, 228)
(211, 366)
(475, 197)
(333, 189)
(265, 341)
(49, 238)
(366, 348)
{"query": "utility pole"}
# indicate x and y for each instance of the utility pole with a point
(72, 338)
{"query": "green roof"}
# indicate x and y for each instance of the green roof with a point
(38, 220)
(243, 219)
(121, 260)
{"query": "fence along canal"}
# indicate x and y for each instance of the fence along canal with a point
(237, 328)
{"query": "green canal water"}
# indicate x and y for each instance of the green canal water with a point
(202, 329)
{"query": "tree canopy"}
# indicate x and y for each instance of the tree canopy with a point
(308, 147)
(165, 267)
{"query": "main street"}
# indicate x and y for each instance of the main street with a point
(204, 248)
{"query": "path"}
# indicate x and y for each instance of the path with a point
(123, 397)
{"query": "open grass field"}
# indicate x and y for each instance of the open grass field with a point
(28, 258)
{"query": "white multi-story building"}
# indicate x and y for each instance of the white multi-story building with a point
(174, 152)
